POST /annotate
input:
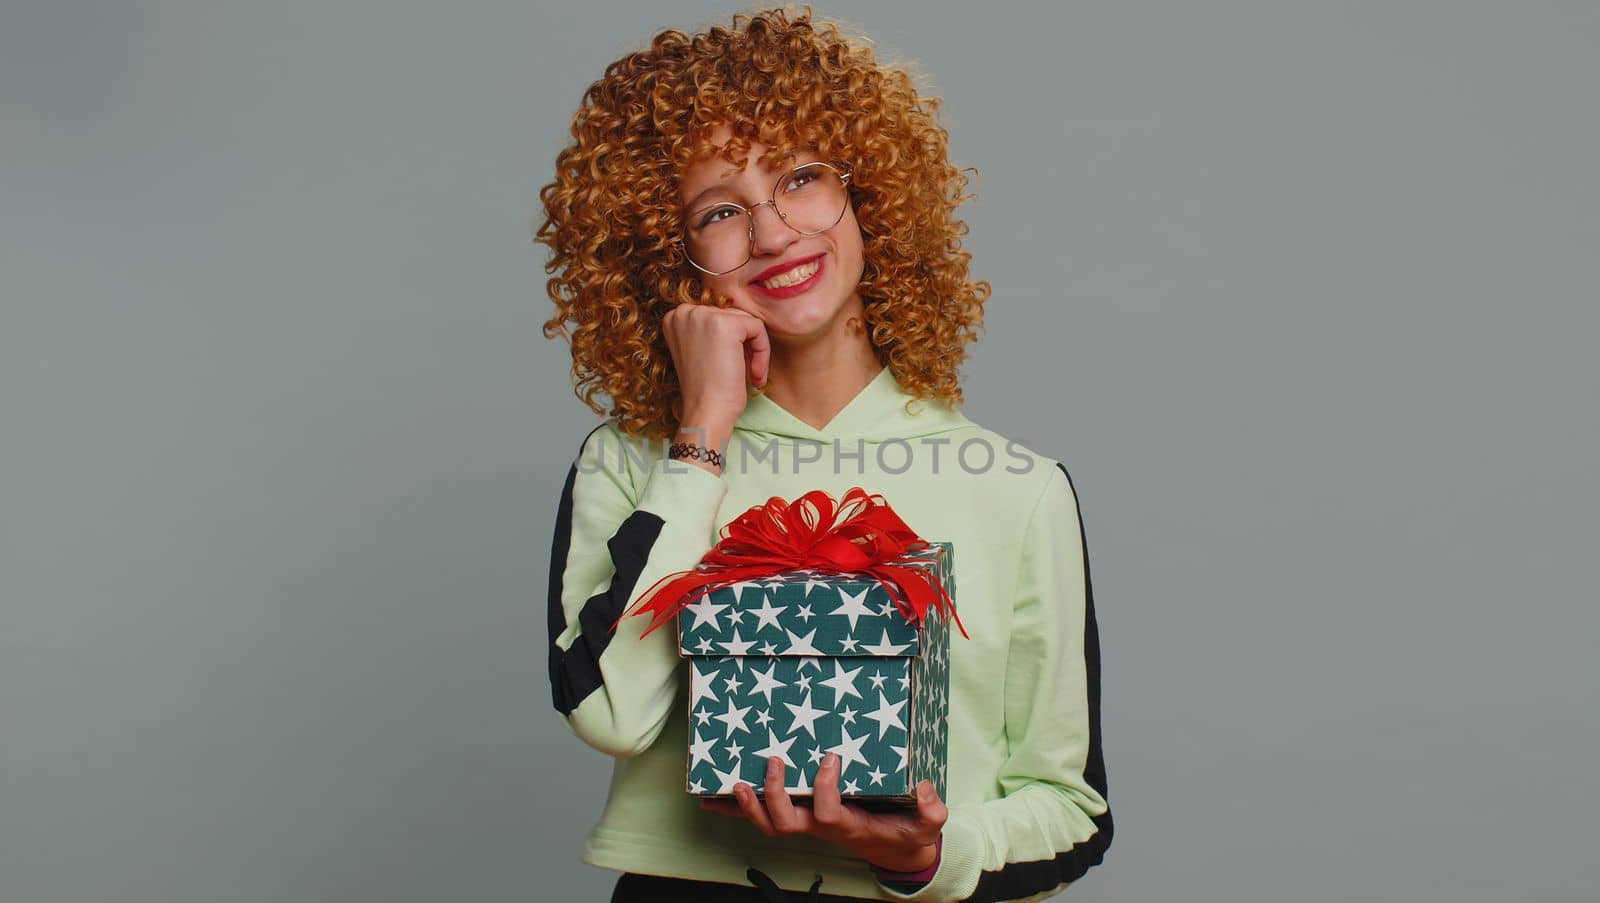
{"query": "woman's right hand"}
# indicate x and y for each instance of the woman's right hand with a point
(716, 352)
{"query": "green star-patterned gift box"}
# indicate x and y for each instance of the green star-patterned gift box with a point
(804, 663)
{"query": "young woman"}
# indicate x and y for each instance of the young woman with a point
(756, 259)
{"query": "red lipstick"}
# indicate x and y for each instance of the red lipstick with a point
(789, 291)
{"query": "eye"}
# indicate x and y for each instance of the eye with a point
(717, 215)
(801, 178)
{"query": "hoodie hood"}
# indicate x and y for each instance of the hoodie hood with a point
(876, 414)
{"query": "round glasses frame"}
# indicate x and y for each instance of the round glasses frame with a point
(839, 169)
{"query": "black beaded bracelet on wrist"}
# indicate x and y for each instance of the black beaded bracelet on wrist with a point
(694, 452)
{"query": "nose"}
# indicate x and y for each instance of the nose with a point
(772, 234)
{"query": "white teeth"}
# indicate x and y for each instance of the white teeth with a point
(799, 274)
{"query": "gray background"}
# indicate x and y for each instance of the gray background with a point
(1301, 294)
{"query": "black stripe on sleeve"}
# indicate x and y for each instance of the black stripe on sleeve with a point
(1016, 880)
(575, 672)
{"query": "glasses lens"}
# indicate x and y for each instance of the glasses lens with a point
(718, 238)
(811, 199)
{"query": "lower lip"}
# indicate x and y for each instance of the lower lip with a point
(789, 291)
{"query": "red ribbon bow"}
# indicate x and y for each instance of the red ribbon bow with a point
(860, 534)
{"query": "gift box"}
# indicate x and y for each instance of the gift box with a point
(806, 662)
(812, 627)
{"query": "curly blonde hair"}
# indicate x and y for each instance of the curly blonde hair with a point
(776, 77)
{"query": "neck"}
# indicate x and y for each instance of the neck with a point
(815, 380)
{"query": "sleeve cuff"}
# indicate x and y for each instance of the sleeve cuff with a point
(960, 860)
(684, 494)
(914, 879)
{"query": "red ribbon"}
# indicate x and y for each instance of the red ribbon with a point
(859, 535)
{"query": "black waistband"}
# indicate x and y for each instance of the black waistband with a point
(633, 887)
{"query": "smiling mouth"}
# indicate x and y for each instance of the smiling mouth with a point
(794, 275)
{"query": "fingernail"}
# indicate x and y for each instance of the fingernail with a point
(925, 790)
(830, 760)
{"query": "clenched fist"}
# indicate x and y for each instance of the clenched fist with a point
(716, 352)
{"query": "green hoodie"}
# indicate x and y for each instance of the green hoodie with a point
(1026, 782)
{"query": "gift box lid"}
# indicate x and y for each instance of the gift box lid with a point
(807, 613)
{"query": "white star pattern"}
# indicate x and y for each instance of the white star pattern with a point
(705, 613)
(700, 750)
(766, 683)
(804, 716)
(734, 718)
(737, 646)
(887, 715)
(843, 683)
(766, 614)
(701, 686)
(852, 606)
(849, 750)
(776, 748)
(729, 779)
(801, 645)
(803, 788)
(885, 647)
(791, 665)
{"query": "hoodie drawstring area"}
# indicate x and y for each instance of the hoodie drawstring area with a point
(772, 893)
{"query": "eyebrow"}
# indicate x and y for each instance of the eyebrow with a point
(795, 160)
(719, 188)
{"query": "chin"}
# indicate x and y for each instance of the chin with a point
(797, 317)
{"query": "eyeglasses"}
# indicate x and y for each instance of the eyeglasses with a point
(810, 198)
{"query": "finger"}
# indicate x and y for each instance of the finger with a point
(759, 347)
(786, 819)
(751, 806)
(931, 812)
(749, 367)
(825, 804)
